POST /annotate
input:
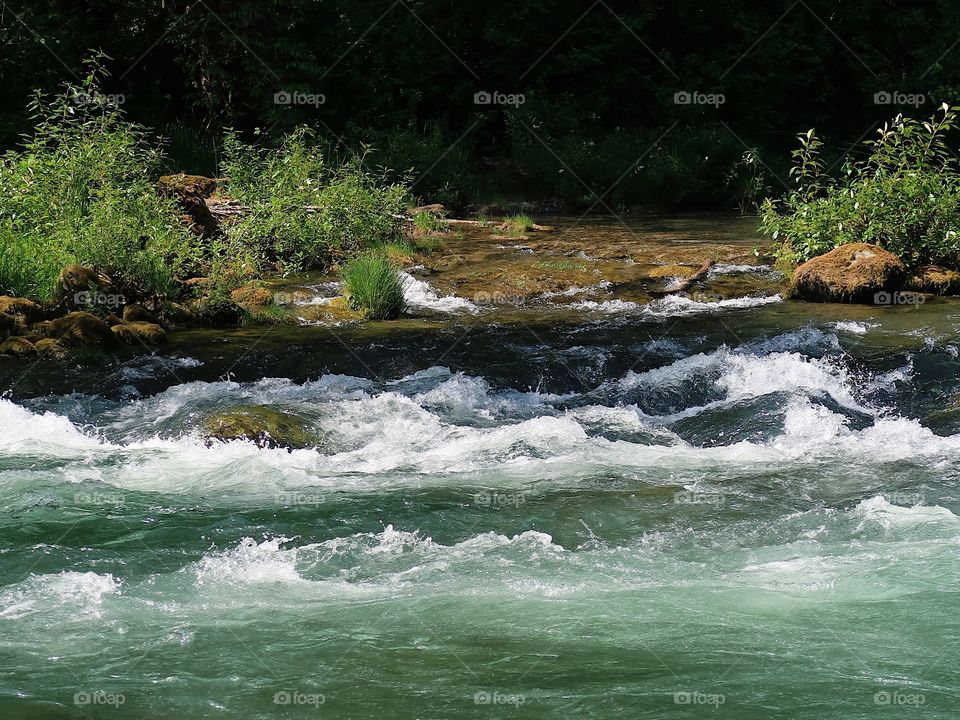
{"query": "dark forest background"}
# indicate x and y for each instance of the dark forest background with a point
(600, 125)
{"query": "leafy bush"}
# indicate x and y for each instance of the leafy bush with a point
(374, 286)
(81, 191)
(904, 197)
(305, 212)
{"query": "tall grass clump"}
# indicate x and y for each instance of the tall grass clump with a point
(81, 190)
(517, 224)
(903, 196)
(307, 212)
(374, 286)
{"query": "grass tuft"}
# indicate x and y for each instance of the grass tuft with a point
(374, 286)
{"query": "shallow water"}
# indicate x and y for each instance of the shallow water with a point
(743, 509)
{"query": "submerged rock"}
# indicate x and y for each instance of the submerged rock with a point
(81, 329)
(855, 273)
(266, 427)
(17, 347)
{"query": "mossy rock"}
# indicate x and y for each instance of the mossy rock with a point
(27, 309)
(50, 348)
(266, 427)
(935, 279)
(175, 314)
(140, 333)
(9, 325)
(81, 329)
(77, 279)
(217, 311)
(182, 186)
(854, 273)
(252, 296)
(135, 312)
(17, 347)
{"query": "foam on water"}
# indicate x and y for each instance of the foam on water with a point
(420, 296)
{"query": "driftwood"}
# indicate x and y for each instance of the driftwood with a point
(233, 208)
(682, 285)
(699, 275)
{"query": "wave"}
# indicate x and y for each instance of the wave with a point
(420, 296)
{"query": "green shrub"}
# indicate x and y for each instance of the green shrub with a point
(904, 196)
(374, 286)
(81, 190)
(305, 212)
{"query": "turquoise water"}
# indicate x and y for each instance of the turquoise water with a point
(746, 511)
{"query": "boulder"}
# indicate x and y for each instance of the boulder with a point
(27, 309)
(217, 311)
(140, 333)
(263, 426)
(9, 325)
(855, 273)
(76, 283)
(81, 329)
(135, 312)
(175, 314)
(252, 296)
(17, 347)
(935, 279)
(50, 348)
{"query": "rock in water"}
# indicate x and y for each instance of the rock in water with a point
(17, 347)
(81, 329)
(140, 333)
(854, 273)
(264, 426)
(935, 279)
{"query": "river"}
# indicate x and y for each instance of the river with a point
(588, 506)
